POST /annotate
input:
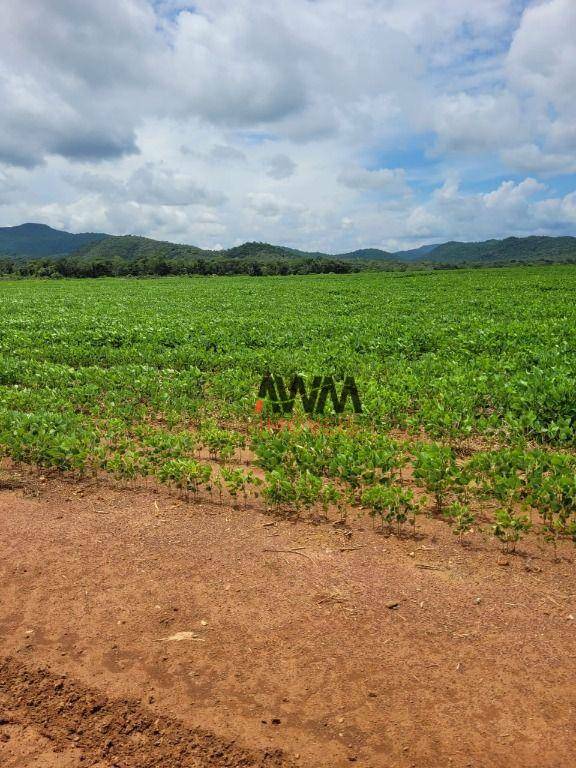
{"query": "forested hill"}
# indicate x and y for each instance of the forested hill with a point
(511, 250)
(37, 240)
(535, 249)
(132, 248)
(35, 249)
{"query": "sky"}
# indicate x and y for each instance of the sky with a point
(320, 124)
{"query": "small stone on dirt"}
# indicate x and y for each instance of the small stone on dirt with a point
(179, 636)
(392, 604)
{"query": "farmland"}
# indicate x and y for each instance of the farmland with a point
(141, 379)
(140, 393)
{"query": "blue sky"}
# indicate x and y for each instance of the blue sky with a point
(325, 125)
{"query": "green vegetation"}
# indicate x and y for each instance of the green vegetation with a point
(30, 241)
(137, 256)
(510, 250)
(35, 250)
(467, 380)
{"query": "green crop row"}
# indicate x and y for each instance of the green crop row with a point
(160, 378)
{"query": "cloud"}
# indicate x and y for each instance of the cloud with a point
(71, 77)
(297, 66)
(510, 208)
(327, 125)
(8, 187)
(270, 206)
(280, 167)
(91, 213)
(226, 154)
(156, 186)
(476, 123)
(149, 185)
(452, 213)
(530, 158)
(528, 115)
(390, 181)
(542, 54)
(541, 67)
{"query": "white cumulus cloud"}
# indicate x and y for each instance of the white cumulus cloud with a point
(327, 125)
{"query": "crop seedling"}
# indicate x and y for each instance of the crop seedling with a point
(435, 464)
(307, 489)
(329, 494)
(393, 504)
(237, 481)
(461, 519)
(187, 475)
(278, 488)
(510, 528)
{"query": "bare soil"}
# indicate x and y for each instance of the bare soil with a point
(139, 630)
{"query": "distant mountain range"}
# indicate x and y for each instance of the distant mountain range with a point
(29, 242)
(34, 241)
(415, 253)
(511, 249)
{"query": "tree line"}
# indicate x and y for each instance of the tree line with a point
(158, 266)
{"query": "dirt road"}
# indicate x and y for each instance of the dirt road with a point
(139, 630)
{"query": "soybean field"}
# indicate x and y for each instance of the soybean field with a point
(466, 378)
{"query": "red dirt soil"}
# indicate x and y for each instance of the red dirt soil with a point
(138, 630)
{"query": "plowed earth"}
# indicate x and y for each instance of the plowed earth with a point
(139, 630)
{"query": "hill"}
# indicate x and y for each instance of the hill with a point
(369, 254)
(132, 247)
(28, 243)
(415, 253)
(39, 240)
(266, 252)
(133, 255)
(534, 249)
(33, 241)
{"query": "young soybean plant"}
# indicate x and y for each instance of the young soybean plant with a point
(220, 443)
(462, 519)
(435, 464)
(406, 511)
(279, 488)
(233, 480)
(555, 498)
(128, 465)
(330, 494)
(238, 481)
(509, 528)
(187, 475)
(307, 490)
(551, 530)
(393, 504)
